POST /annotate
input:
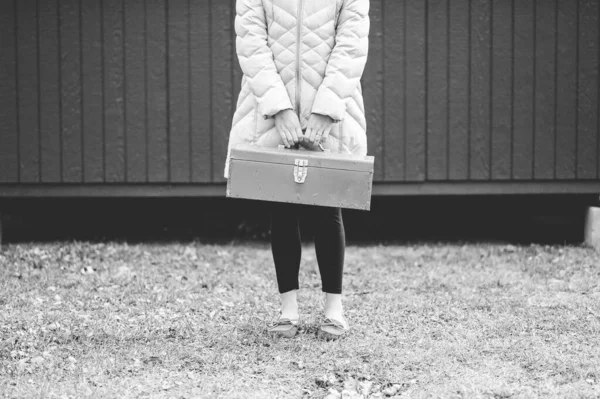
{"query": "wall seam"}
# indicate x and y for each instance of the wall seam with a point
(512, 93)
(102, 56)
(168, 89)
(469, 87)
(39, 91)
(81, 96)
(60, 93)
(491, 98)
(383, 92)
(448, 87)
(189, 85)
(426, 91)
(147, 167)
(124, 93)
(555, 88)
(577, 60)
(211, 89)
(404, 91)
(534, 99)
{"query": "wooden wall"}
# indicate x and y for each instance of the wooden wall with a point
(134, 91)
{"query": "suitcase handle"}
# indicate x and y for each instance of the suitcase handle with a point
(297, 147)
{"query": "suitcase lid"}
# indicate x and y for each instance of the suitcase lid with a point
(316, 159)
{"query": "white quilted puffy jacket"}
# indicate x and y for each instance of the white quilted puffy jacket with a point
(305, 55)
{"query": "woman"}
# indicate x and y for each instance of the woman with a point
(302, 62)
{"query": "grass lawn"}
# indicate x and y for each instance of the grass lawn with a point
(188, 320)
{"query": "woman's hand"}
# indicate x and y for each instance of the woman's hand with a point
(288, 127)
(318, 128)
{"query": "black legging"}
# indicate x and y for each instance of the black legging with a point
(330, 243)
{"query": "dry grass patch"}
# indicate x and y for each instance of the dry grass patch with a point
(188, 320)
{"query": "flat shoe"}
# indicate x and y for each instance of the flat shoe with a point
(284, 327)
(331, 329)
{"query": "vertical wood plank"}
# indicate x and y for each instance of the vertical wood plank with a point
(50, 123)
(70, 77)
(437, 89)
(179, 112)
(458, 96)
(566, 110)
(587, 127)
(394, 24)
(28, 96)
(93, 95)
(237, 70)
(9, 140)
(158, 163)
(372, 85)
(222, 85)
(545, 88)
(114, 112)
(523, 103)
(480, 90)
(200, 100)
(135, 90)
(416, 125)
(501, 140)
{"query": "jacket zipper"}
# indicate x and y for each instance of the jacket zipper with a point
(298, 48)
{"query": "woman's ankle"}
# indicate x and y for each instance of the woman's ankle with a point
(333, 306)
(289, 304)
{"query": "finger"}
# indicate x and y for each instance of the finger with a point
(284, 138)
(293, 134)
(315, 135)
(326, 133)
(300, 134)
(318, 136)
(310, 134)
(290, 140)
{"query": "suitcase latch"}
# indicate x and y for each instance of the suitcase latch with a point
(300, 170)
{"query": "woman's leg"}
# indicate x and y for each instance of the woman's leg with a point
(286, 247)
(330, 246)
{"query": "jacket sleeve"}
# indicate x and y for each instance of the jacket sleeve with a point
(347, 61)
(256, 58)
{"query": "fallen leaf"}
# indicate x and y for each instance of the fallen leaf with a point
(348, 394)
(299, 363)
(365, 387)
(323, 381)
(190, 253)
(333, 394)
(350, 384)
(391, 391)
(87, 270)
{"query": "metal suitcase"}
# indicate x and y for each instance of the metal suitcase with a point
(300, 176)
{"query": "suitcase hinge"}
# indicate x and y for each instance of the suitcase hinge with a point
(300, 170)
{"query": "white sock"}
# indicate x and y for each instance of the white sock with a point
(289, 305)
